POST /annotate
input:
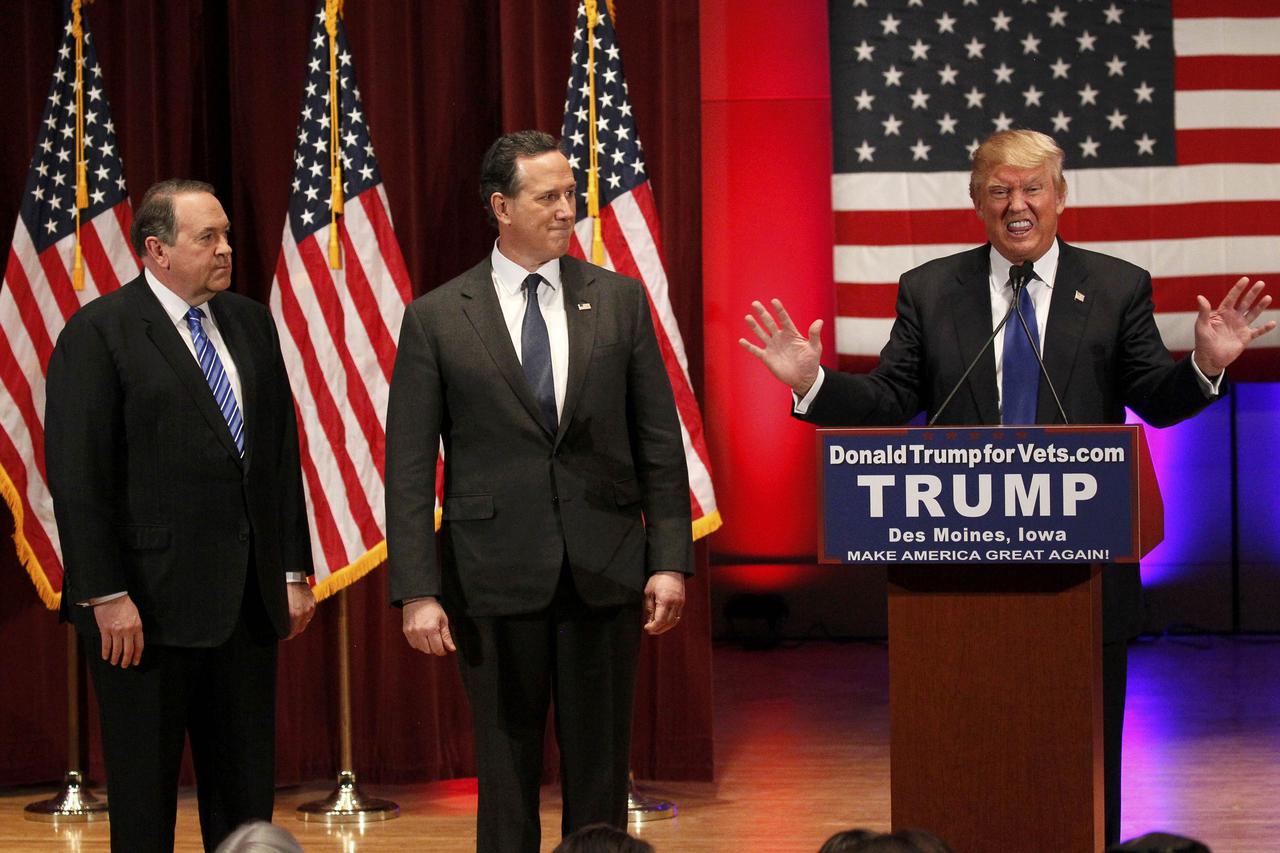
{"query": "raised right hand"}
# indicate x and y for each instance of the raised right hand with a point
(789, 355)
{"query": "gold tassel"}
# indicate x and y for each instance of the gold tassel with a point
(82, 179)
(332, 9)
(593, 170)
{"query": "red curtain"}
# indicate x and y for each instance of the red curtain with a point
(212, 90)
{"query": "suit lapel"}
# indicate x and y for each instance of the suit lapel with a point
(237, 341)
(164, 335)
(576, 278)
(972, 317)
(480, 305)
(1067, 317)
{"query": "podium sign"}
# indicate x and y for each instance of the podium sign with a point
(1054, 494)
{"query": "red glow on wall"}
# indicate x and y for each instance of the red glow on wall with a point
(767, 232)
(764, 577)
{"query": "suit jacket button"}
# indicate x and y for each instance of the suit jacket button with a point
(555, 499)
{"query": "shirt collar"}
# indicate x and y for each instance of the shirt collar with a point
(510, 276)
(1046, 268)
(175, 307)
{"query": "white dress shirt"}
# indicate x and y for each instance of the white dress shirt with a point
(508, 282)
(176, 308)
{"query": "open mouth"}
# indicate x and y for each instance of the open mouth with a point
(1019, 227)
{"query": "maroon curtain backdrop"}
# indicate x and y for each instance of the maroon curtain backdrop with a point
(211, 89)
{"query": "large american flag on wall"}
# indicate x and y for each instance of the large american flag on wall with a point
(631, 230)
(339, 327)
(39, 296)
(1169, 113)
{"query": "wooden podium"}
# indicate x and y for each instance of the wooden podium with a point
(995, 667)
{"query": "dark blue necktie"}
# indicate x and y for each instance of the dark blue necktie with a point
(216, 376)
(535, 353)
(1020, 370)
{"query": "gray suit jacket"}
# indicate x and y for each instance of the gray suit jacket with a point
(609, 490)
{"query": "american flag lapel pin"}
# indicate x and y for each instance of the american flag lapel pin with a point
(1079, 296)
(584, 306)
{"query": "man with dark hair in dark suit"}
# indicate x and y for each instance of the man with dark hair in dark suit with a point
(566, 510)
(172, 457)
(1101, 348)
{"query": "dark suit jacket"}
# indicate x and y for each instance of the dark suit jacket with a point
(149, 491)
(609, 489)
(1102, 350)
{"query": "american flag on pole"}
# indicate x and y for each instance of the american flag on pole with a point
(1169, 113)
(629, 222)
(39, 293)
(339, 326)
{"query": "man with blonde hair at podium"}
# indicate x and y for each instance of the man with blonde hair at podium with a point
(1090, 315)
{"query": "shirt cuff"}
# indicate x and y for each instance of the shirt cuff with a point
(800, 405)
(1210, 387)
(295, 577)
(102, 599)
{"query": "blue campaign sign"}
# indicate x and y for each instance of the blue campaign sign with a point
(980, 494)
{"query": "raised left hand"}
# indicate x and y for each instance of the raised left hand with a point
(663, 601)
(1224, 332)
(302, 606)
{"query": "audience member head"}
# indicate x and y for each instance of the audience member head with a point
(260, 837)
(602, 838)
(1159, 842)
(868, 841)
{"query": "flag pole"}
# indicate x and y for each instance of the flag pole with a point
(346, 803)
(640, 808)
(74, 803)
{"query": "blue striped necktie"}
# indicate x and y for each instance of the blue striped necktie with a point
(1020, 372)
(216, 376)
(535, 353)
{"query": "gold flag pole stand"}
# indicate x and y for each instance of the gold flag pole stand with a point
(346, 804)
(74, 803)
(643, 809)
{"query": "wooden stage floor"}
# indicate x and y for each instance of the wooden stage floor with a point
(801, 752)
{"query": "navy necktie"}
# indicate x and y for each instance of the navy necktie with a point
(216, 376)
(1020, 370)
(535, 353)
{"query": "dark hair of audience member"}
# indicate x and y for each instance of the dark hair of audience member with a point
(869, 841)
(602, 838)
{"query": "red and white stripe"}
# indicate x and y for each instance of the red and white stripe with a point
(632, 242)
(1196, 227)
(338, 331)
(37, 300)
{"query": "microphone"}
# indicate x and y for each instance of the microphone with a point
(1019, 275)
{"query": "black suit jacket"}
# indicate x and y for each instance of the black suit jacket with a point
(149, 491)
(608, 489)
(1102, 350)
